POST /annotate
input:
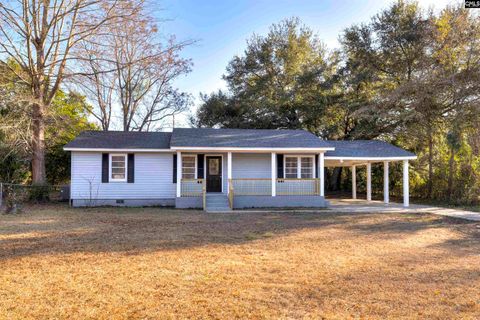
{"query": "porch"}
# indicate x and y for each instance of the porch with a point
(237, 180)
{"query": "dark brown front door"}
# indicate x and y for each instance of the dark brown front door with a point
(214, 174)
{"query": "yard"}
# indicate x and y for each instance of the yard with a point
(57, 262)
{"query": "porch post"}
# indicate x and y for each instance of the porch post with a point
(406, 195)
(354, 182)
(229, 171)
(274, 175)
(179, 174)
(321, 173)
(369, 181)
(385, 183)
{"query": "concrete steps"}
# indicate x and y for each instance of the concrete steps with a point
(217, 202)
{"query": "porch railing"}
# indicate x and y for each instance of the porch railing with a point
(192, 187)
(284, 187)
(252, 187)
(298, 187)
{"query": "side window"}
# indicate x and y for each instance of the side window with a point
(118, 167)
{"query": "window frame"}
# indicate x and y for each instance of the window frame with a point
(195, 166)
(110, 178)
(299, 166)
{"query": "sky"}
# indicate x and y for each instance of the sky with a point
(221, 29)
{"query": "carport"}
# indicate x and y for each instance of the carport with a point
(365, 152)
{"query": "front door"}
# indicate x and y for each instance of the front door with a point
(214, 174)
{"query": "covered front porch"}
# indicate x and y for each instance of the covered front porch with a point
(244, 179)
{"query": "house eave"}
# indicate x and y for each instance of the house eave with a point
(116, 150)
(252, 150)
(371, 159)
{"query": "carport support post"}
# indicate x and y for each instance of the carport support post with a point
(229, 171)
(369, 181)
(321, 167)
(406, 195)
(274, 174)
(179, 173)
(385, 183)
(354, 182)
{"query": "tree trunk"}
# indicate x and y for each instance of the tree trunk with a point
(336, 175)
(430, 164)
(38, 145)
(450, 174)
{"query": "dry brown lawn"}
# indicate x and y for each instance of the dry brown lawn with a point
(57, 262)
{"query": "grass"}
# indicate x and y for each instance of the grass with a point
(57, 262)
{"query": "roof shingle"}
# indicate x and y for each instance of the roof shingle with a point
(245, 138)
(365, 149)
(121, 140)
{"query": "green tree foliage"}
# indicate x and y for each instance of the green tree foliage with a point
(65, 120)
(408, 76)
(279, 82)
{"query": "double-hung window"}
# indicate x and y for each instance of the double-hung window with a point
(189, 168)
(297, 167)
(118, 167)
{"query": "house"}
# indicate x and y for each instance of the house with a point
(217, 169)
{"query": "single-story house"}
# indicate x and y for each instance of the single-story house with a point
(217, 169)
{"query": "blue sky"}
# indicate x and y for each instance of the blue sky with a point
(222, 28)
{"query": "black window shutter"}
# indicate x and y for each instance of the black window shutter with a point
(316, 166)
(280, 166)
(131, 168)
(200, 161)
(105, 168)
(174, 168)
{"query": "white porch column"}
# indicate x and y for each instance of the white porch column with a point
(274, 174)
(369, 182)
(179, 173)
(354, 182)
(386, 192)
(321, 173)
(406, 192)
(229, 171)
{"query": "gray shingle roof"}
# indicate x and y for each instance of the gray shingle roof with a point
(366, 149)
(121, 140)
(244, 138)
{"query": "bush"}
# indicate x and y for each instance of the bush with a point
(39, 193)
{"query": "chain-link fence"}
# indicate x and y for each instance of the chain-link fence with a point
(14, 196)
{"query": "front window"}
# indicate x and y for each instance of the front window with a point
(188, 167)
(291, 167)
(307, 167)
(297, 167)
(118, 165)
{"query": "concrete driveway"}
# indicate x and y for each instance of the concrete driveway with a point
(350, 205)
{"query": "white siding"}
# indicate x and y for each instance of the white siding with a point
(153, 178)
(251, 165)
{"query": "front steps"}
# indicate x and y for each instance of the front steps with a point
(217, 202)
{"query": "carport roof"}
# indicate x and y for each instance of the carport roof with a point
(366, 149)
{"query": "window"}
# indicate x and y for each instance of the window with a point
(118, 167)
(291, 167)
(189, 167)
(307, 167)
(297, 167)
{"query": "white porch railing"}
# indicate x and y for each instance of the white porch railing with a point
(284, 187)
(298, 187)
(192, 187)
(252, 187)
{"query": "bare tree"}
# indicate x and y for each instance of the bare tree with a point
(39, 35)
(131, 68)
